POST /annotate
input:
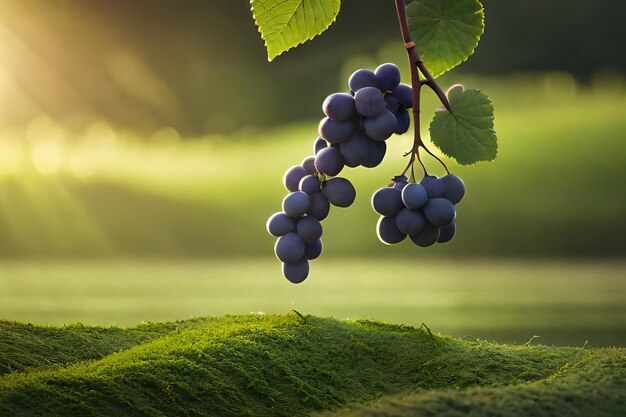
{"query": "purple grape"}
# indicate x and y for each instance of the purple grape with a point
(362, 78)
(309, 229)
(376, 153)
(339, 106)
(309, 184)
(403, 120)
(313, 250)
(296, 272)
(446, 233)
(404, 94)
(369, 102)
(319, 206)
(339, 191)
(336, 132)
(289, 248)
(434, 186)
(309, 165)
(414, 196)
(400, 181)
(280, 224)
(329, 161)
(355, 150)
(387, 201)
(318, 145)
(454, 188)
(292, 177)
(427, 237)
(392, 103)
(388, 232)
(410, 221)
(388, 76)
(439, 211)
(380, 127)
(296, 204)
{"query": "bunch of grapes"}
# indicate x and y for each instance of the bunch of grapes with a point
(424, 211)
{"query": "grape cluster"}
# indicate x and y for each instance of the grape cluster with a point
(357, 124)
(424, 211)
(352, 134)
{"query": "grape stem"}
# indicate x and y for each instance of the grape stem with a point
(417, 66)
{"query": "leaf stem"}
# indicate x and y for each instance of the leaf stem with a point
(417, 66)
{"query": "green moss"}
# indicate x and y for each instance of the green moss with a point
(267, 366)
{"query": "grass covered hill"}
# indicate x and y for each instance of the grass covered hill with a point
(295, 365)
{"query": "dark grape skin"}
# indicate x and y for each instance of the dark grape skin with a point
(339, 106)
(410, 222)
(369, 102)
(388, 232)
(329, 161)
(289, 248)
(434, 186)
(309, 184)
(376, 153)
(388, 76)
(292, 177)
(355, 150)
(318, 145)
(296, 204)
(313, 250)
(336, 132)
(400, 181)
(454, 188)
(404, 94)
(439, 211)
(387, 201)
(296, 272)
(446, 233)
(319, 206)
(362, 78)
(309, 165)
(279, 224)
(403, 120)
(414, 196)
(380, 127)
(309, 229)
(427, 237)
(392, 103)
(339, 191)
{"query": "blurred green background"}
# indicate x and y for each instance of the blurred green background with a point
(142, 146)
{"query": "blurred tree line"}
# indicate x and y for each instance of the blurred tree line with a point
(200, 65)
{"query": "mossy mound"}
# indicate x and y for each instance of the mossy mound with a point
(267, 366)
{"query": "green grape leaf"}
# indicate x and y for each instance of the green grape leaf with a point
(284, 24)
(467, 133)
(445, 32)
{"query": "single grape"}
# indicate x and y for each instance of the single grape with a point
(392, 103)
(309, 165)
(280, 224)
(380, 127)
(403, 120)
(427, 237)
(362, 78)
(434, 186)
(309, 229)
(400, 181)
(296, 272)
(336, 132)
(310, 184)
(410, 221)
(387, 201)
(313, 250)
(318, 145)
(388, 76)
(439, 211)
(388, 232)
(369, 102)
(414, 196)
(329, 161)
(355, 150)
(319, 206)
(376, 153)
(296, 204)
(289, 248)
(292, 177)
(447, 232)
(339, 106)
(454, 188)
(339, 191)
(404, 94)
